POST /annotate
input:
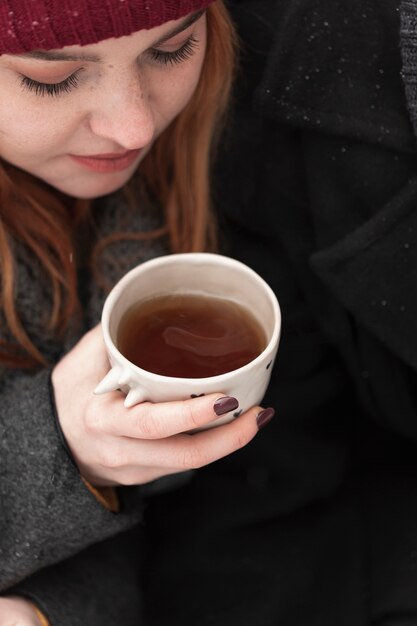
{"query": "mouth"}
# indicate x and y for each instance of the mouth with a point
(107, 162)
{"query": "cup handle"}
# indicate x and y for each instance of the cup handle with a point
(110, 382)
(116, 379)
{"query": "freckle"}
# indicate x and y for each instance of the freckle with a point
(110, 66)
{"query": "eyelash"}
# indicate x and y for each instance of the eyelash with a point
(70, 83)
(51, 89)
(178, 56)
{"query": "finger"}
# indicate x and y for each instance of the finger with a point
(160, 420)
(181, 452)
(211, 445)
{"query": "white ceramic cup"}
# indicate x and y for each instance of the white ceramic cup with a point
(203, 274)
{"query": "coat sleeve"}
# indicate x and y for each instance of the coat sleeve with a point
(100, 586)
(47, 514)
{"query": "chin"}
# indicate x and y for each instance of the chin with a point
(89, 190)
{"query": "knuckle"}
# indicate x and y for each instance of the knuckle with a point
(111, 458)
(92, 422)
(191, 415)
(147, 426)
(192, 458)
(240, 440)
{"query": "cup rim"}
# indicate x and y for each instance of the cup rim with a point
(119, 287)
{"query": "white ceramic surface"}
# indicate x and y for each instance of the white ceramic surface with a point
(201, 273)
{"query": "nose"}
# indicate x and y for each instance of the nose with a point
(124, 115)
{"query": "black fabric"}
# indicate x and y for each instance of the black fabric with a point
(315, 522)
(336, 67)
(97, 586)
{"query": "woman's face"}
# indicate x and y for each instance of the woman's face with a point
(81, 118)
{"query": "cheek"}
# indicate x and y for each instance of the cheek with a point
(173, 94)
(30, 132)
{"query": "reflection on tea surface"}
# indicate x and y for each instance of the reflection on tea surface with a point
(190, 335)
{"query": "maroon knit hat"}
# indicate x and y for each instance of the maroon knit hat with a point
(27, 25)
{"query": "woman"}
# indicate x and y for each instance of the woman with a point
(108, 115)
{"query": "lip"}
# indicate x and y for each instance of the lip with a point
(107, 162)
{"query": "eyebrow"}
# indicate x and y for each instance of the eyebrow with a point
(57, 55)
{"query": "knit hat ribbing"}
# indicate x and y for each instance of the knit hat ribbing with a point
(27, 25)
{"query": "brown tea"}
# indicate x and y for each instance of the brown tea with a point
(189, 335)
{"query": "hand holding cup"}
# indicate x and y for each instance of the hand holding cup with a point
(166, 429)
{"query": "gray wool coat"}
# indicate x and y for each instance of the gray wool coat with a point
(47, 516)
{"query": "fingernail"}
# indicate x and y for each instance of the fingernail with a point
(264, 417)
(224, 405)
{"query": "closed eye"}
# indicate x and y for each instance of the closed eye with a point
(176, 56)
(52, 89)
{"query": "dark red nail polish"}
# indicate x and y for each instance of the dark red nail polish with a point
(264, 417)
(224, 405)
